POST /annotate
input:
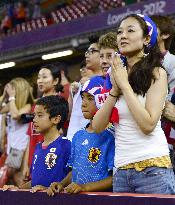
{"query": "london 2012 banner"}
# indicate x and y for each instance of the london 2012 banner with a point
(89, 24)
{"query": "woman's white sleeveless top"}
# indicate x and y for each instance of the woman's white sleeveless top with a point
(132, 145)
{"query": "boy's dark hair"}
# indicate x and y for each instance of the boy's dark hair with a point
(165, 25)
(108, 40)
(83, 64)
(55, 105)
(93, 39)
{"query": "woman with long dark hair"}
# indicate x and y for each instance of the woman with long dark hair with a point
(139, 89)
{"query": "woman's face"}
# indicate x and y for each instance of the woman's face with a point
(130, 37)
(45, 81)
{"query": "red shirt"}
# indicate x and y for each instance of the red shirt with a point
(35, 138)
(65, 93)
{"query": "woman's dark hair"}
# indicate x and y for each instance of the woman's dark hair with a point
(172, 47)
(56, 73)
(55, 105)
(83, 64)
(142, 74)
(63, 67)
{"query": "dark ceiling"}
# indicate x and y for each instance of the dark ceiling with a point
(28, 67)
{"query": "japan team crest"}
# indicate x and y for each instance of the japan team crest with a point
(50, 160)
(94, 154)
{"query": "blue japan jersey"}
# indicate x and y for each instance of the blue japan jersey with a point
(92, 156)
(50, 164)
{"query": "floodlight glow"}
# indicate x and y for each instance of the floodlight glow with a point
(7, 65)
(57, 55)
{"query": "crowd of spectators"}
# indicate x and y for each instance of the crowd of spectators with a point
(18, 13)
(121, 97)
(26, 13)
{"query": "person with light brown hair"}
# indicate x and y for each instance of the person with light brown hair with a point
(108, 40)
(108, 47)
(17, 99)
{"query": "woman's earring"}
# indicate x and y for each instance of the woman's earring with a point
(146, 53)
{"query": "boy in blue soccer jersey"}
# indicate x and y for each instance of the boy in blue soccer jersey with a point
(92, 154)
(51, 156)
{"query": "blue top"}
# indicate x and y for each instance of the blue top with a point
(49, 164)
(92, 156)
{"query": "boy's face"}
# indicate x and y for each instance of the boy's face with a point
(88, 105)
(42, 122)
(106, 55)
(92, 57)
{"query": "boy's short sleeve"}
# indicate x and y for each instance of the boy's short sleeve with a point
(71, 158)
(67, 156)
(34, 157)
(111, 153)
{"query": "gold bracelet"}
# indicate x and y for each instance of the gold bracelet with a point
(112, 95)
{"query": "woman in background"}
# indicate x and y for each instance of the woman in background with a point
(17, 99)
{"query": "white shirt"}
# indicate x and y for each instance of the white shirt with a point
(77, 120)
(169, 65)
(132, 145)
(16, 134)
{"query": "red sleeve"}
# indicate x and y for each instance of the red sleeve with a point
(114, 116)
(29, 130)
(65, 93)
(167, 129)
